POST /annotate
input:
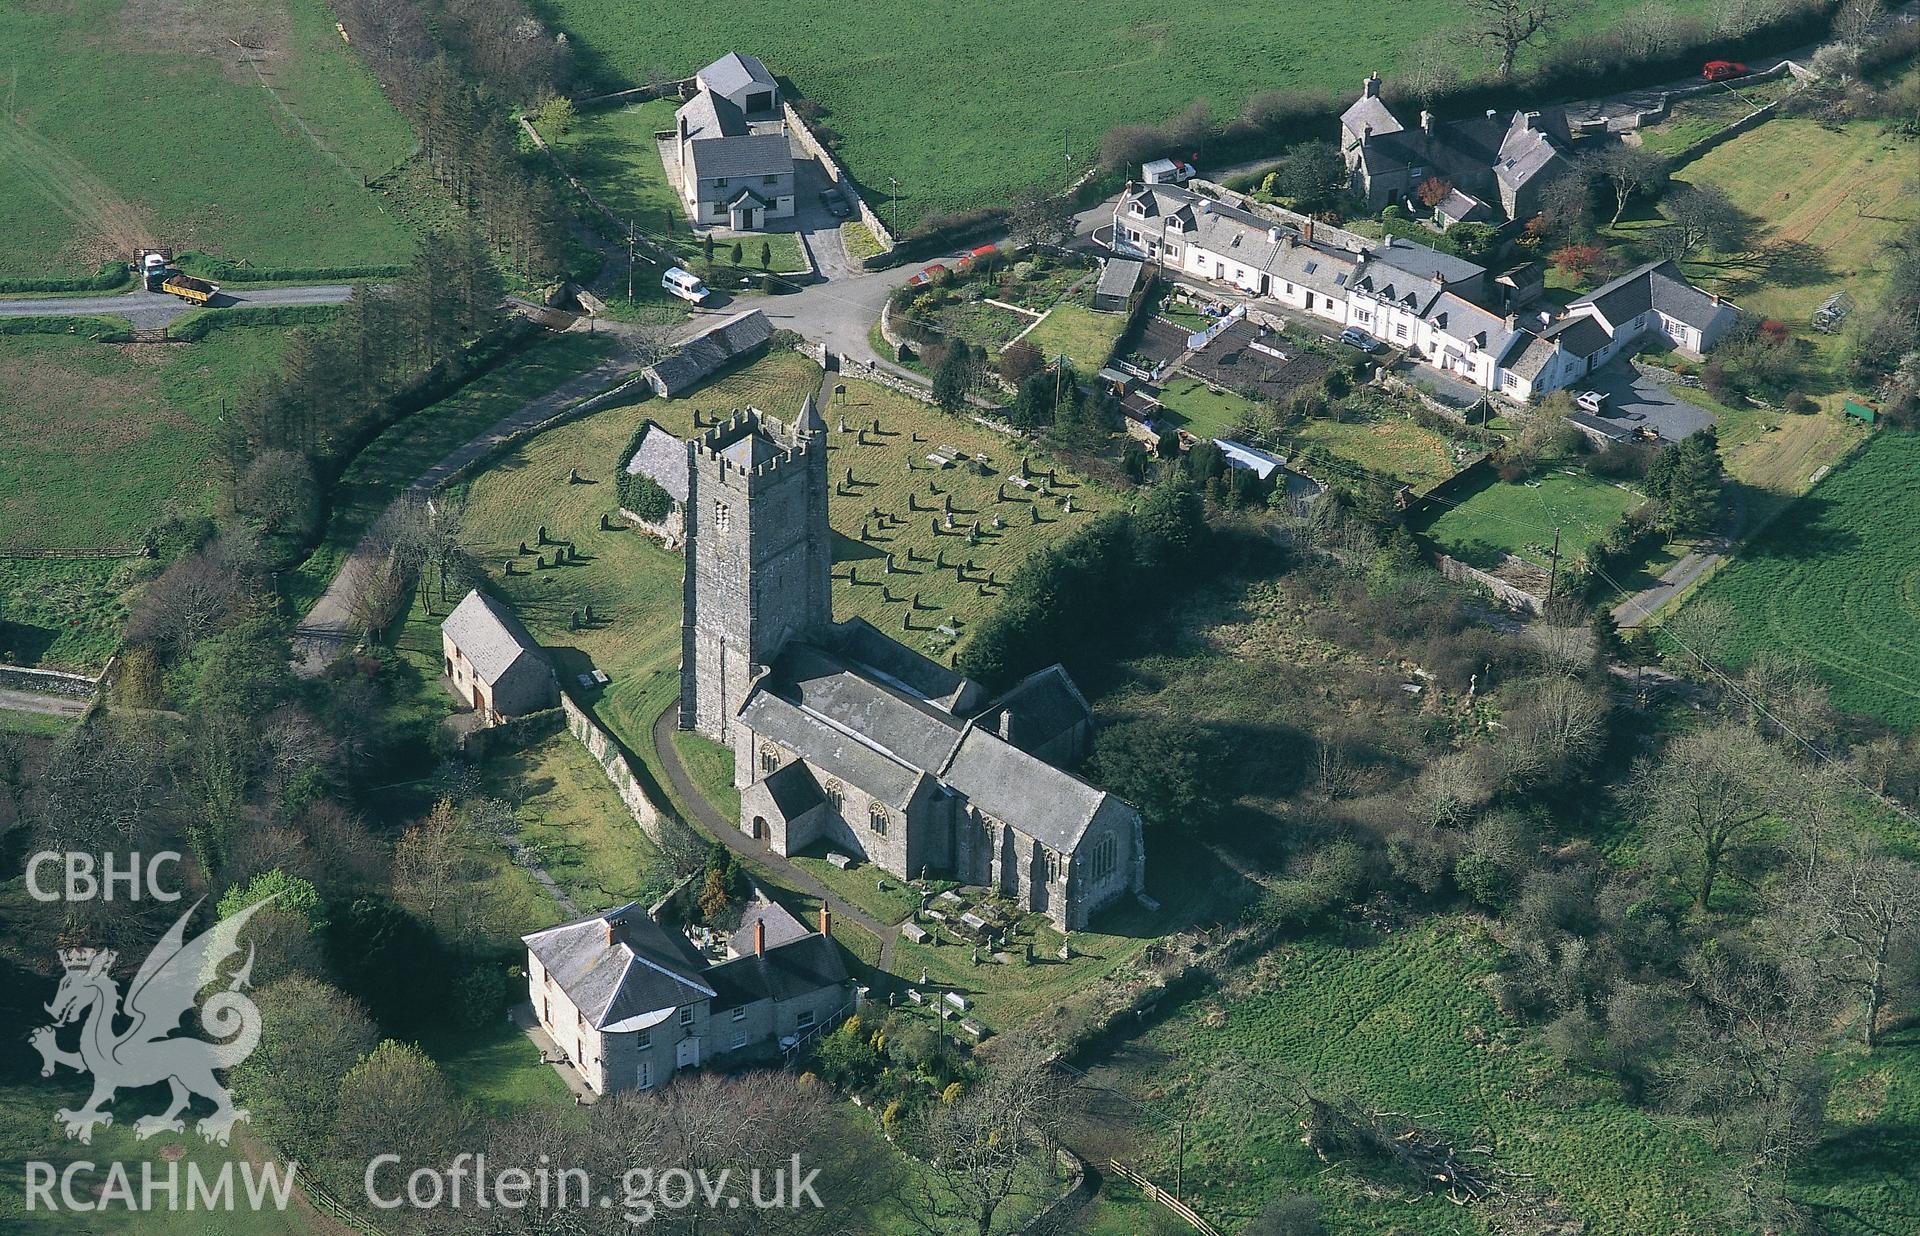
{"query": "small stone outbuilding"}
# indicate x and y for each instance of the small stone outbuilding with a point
(494, 666)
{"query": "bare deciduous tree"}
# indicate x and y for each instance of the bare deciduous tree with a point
(1706, 798)
(1866, 904)
(1509, 25)
(988, 1146)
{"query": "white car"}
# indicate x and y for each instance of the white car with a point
(684, 284)
(1594, 402)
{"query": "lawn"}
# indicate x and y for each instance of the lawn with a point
(1480, 524)
(34, 724)
(1400, 1023)
(59, 613)
(1835, 579)
(1702, 115)
(393, 460)
(1083, 336)
(612, 150)
(110, 107)
(572, 823)
(97, 439)
(1202, 411)
(1391, 445)
(933, 96)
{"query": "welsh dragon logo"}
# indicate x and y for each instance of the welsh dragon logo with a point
(147, 1050)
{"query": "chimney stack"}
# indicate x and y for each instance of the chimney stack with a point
(1307, 231)
(1531, 120)
(610, 932)
(1426, 122)
(760, 936)
(826, 919)
(1439, 280)
(1370, 88)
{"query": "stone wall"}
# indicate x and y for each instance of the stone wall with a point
(48, 682)
(1507, 593)
(604, 749)
(837, 174)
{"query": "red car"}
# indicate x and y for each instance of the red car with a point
(1721, 70)
(928, 275)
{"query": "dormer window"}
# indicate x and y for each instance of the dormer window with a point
(1174, 224)
(1139, 211)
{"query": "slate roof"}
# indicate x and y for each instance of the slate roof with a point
(1327, 271)
(662, 457)
(1582, 335)
(1419, 261)
(795, 969)
(490, 637)
(793, 789)
(839, 752)
(782, 927)
(1369, 112)
(1532, 357)
(734, 72)
(860, 643)
(1524, 153)
(1461, 207)
(1043, 706)
(636, 980)
(1048, 804)
(1657, 285)
(708, 116)
(707, 351)
(915, 732)
(757, 154)
(1462, 319)
(1119, 278)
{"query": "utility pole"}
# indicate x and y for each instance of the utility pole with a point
(629, 262)
(1553, 576)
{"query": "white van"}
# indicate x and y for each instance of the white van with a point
(684, 284)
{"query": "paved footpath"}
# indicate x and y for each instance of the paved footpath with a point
(728, 833)
(45, 705)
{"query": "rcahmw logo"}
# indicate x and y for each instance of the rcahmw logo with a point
(146, 1052)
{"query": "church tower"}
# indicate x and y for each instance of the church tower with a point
(759, 557)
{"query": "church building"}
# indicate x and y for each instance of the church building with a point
(844, 736)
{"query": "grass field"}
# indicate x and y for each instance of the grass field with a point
(390, 463)
(1836, 579)
(1480, 524)
(572, 823)
(61, 613)
(1083, 336)
(110, 107)
(1829, 199)
(96, 439)
(965, 103)
(1400, 1023)
(613, 151)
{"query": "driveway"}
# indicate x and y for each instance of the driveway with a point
(1635, 401)
(153, 310)
(45, 705)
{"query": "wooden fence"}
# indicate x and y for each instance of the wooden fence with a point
(1158, 1194)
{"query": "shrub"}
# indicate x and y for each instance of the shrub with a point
(1799, 402)
(643, 496)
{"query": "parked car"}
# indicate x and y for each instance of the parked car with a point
(928, 275)
(1723, 70)
(831, 199)
(1354, 337)
(684, 284)
(1592, 401)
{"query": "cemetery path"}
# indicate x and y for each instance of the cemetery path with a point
(727, 833)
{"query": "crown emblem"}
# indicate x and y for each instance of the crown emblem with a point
(78, 958)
